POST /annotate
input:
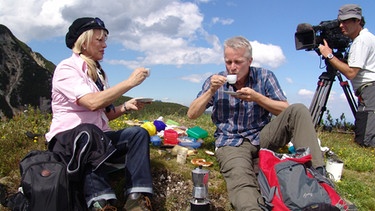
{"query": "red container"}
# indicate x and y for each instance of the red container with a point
(170, 137)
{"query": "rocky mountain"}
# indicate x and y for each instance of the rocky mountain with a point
(25, 76)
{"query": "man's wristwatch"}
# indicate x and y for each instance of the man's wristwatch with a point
(330, 56)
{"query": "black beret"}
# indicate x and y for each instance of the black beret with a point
(81, 25)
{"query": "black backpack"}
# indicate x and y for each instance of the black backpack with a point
(45, 182)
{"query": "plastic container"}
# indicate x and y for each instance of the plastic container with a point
(170, 137)
(186, 138)
(160, 125)
(155, 140)
(291, 148)
(197, 132)
(181, 155)
(171, 122)
(193, 145)
(150, 127)
(176, 148)
(334, 169)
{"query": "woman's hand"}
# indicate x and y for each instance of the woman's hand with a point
(134, 105)
(138, 76)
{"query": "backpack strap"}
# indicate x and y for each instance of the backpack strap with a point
(267, 206)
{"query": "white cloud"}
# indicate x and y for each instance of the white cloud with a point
(332, 96)
(197, 78)
(157, 31)
(222, 21)
(289, 80)
(342, 96)
(310, 94)
(267, 55)
(34, 19)
(305, 93)
(202, 1)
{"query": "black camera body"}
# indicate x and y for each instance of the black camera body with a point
(309, 37)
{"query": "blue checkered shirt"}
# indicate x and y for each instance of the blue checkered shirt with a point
(235, 119)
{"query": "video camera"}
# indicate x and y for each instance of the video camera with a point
(309, 37)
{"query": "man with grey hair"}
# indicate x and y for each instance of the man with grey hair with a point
(242, 112)
(359, 69)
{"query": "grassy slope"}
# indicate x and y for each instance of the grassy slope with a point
(356, 184)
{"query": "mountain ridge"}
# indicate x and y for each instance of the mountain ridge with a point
(25, 76)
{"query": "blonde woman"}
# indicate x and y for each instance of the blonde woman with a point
(83, 101)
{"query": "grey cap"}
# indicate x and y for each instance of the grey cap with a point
(348, 11)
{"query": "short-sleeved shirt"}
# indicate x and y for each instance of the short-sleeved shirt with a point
(236, 119)
(362, 55)
(71, 82)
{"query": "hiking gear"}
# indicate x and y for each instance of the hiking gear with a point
(289, 182)
(44, 181)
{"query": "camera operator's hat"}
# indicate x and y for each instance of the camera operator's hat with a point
(348, 11)
(81, 25)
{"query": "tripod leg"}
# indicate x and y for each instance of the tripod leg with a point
(348, 94)
(326, 79)
(319, 102)
(314, 106)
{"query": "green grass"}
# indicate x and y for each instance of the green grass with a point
(358, 179)
(356, 185)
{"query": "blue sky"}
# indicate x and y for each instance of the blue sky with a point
(181, 41)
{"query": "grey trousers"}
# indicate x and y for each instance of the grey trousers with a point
(365, 118)
(236, 163)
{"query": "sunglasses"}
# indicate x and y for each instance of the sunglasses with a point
(95, 21)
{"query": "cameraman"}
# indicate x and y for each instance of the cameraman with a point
(360, 69)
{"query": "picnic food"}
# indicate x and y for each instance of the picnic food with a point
(201, 162)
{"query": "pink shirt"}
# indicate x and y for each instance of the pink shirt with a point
(70, 82)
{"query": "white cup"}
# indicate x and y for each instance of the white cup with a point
(232, 78)
(148, 71)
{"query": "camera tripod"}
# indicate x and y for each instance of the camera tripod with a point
(324, 86)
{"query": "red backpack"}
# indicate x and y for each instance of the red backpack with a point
(288, 182)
